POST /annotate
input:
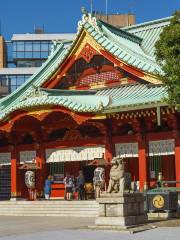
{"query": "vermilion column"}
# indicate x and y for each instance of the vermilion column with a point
(41, 171)
(176, 136)
(143, 165)
(142, 154)
(39, 156)
(108, 151)
(177, 156)
(14, 176)
(109, 147)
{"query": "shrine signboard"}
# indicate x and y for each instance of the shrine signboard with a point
(126, 149)
(27, 156)
(161, 147)
(5, 158)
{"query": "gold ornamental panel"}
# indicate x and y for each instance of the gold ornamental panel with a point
(158, 201)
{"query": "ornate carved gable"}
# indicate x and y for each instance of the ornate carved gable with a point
(88, 65)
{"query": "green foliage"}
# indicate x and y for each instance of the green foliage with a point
(168, 56)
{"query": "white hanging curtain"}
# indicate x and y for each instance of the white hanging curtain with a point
(74, 154)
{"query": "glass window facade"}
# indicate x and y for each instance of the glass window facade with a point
(31, 49)
(13, 81)
(29, 63)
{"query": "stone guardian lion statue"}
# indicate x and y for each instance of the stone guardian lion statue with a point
(117, 178)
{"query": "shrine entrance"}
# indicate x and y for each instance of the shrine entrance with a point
(61, 161)
(162, 160)
(5, 176)
(129, 152)
(5, 182)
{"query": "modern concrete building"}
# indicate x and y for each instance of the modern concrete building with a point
(24, 54)
(117, 20)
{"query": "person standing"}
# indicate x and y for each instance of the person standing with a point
(80, 185)
(47, 187)
(69, 184)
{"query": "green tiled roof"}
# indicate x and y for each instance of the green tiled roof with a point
(121, 98)
(78, 101)
(122, 44)
(149, 32)
(134, 96)
(123, 47)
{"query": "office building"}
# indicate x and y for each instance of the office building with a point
(25, 53)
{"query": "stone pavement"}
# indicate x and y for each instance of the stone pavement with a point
(71, 228)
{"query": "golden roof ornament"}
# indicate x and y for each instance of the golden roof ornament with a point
(87, 18)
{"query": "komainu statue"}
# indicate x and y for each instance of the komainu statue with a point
(117, 176)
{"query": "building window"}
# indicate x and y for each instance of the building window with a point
(20, 46)
(56, 168)
(19, 54)
(36, 54)
(36, 46)
(31, 49)
(3, 81)
(28, 46)
(45, 46)
(38, 63)
(15, 81)
(155, 163)
(28, 55)
(44, 54)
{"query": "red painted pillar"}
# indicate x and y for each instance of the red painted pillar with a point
(108, 151)
(175, 124)
(177, 157)
(109, 147)
(142, 154)
(41, 169)
(15, 193)
(143, 164)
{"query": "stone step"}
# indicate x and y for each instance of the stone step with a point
(80, 202)
(85, 214)
(50, 215)
(49, 208)
(33, 211)
(47, 203)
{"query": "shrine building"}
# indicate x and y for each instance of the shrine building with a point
(95, 99)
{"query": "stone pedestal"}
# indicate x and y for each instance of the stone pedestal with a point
(121, 209)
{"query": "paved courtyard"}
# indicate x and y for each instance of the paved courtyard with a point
(68, 228)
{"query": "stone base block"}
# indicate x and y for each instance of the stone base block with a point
(121, 209)
(162, 215)
(121, 221)
(124, 229)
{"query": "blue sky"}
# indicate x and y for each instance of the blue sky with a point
(20, 16)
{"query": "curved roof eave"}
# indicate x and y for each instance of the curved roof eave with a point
(76, 103)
